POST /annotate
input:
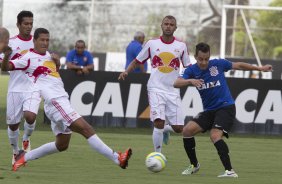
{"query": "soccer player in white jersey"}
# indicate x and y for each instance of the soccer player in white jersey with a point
(166, 54)
(22, 101)
(40, 70)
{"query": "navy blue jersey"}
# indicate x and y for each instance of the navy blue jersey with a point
(214, 92)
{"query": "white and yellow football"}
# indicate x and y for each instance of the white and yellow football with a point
(155, 162)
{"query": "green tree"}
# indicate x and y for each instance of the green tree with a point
(266, 33)
(270, 40)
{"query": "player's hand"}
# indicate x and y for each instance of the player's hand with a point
(197, 82)
(7, 51)
(56, 58)
(123, 75)
(266, 68)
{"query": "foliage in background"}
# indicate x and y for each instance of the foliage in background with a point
(266, 27)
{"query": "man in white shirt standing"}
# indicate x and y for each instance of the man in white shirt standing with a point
(166, 54)
(22, 101)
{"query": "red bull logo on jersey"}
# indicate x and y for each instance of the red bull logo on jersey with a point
(41, 70)
(18, 55)
(166, 62)
(48, 68)
(52, 66)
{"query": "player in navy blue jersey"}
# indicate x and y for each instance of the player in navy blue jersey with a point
(219, 106)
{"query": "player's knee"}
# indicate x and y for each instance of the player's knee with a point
(29, 117)
(62, 147)
(158, 123)
(177, 129)
(14, 127)
(215, 137)
(186, 131)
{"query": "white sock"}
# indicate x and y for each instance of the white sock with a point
(158, 139)
(46, 149)
(97, 144)
(28, 129)
(14, 139)
(168, 128)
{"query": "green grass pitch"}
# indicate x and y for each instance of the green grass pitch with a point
(256, 159)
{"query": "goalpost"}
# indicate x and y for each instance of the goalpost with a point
(241, 9)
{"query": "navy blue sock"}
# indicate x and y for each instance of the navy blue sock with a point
(223, 152)
(189, 146)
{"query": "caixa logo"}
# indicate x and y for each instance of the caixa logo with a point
(259, 110)
(110, 100)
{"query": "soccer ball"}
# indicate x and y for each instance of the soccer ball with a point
(155, 162)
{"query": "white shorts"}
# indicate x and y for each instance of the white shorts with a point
(61, 114)
(18, 102)
(166, 107)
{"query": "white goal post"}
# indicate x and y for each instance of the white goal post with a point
(224, 25)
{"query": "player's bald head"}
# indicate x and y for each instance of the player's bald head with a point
(170, 17)
(4, 38)
(4, 34)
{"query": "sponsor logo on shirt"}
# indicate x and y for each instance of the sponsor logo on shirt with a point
(166, 62)
(208, 85)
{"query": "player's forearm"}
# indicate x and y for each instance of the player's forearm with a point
(245, 66)
(5, 64)
(180, 82)
(131, 66)
(142, 68)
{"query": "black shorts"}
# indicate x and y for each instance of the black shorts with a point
(222, 118)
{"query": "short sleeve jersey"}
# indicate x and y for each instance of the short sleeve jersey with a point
(165, 63)
(80, 60)
(19, 47)
(41, 73)
(214, 92)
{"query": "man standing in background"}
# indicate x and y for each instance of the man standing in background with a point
(133, 49)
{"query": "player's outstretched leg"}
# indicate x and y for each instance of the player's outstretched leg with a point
(82, 127)
(46, 149)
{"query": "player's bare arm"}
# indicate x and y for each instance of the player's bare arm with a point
(56, 58)
(180, 82)
(130, 68)
(246, 66)
(6, 66)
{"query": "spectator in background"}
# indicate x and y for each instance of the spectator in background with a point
(80, 59)
(133, 49)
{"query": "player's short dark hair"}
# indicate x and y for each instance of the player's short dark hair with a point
(170, 17)
(23, 14)
(39, 31)
(204, 47)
